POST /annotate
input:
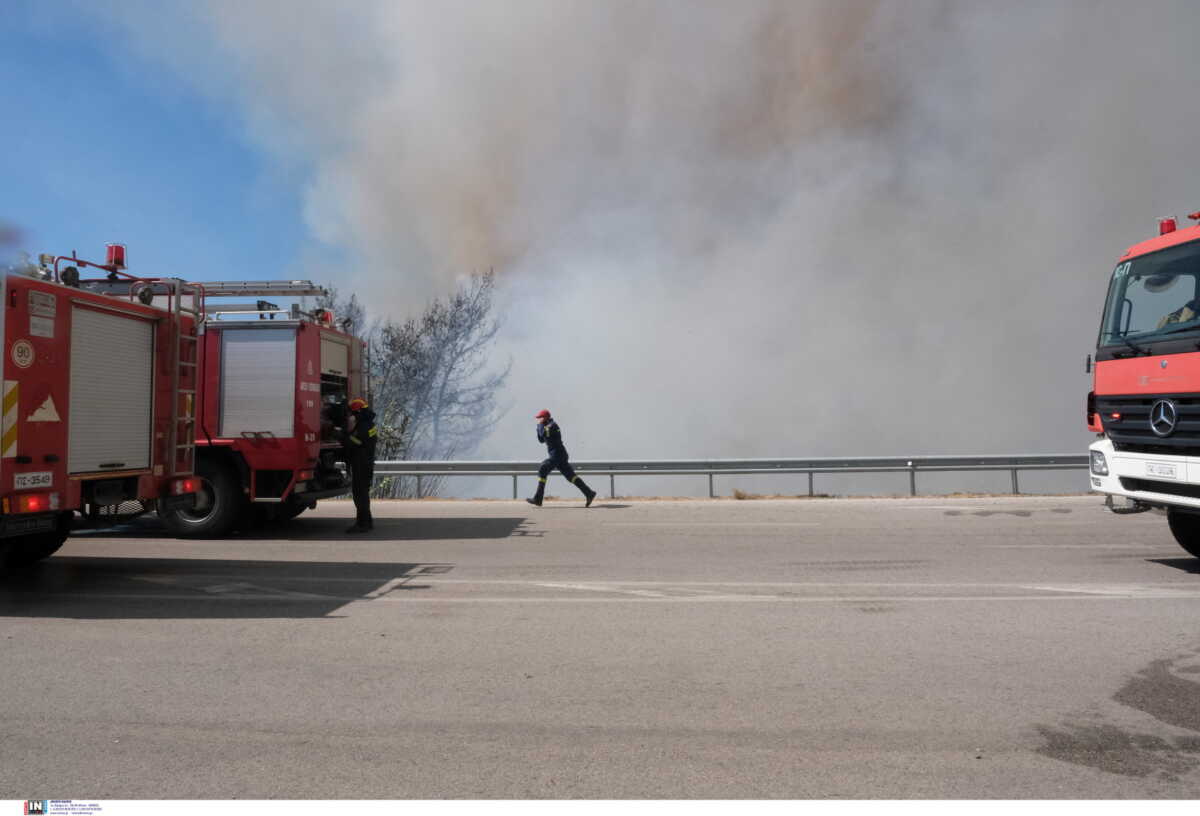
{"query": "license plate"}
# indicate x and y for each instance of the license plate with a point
(33, 480)
(28, 481)
(1163, 471)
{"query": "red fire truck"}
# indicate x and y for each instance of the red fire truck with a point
(273, 387)
(270, 398)
(97, 402)
(1145, 398)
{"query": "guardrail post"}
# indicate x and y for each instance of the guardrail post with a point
(912, 478)
(1016, 487)
(711, 493)
(514, 487)
(810, 484)
(418, 485)
(612, 485)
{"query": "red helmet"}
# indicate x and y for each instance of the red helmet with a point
(357, 404)
(542, 413)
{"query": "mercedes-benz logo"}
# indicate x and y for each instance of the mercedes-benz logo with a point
(1163, 416)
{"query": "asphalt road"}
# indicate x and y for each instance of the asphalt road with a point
(928, 648)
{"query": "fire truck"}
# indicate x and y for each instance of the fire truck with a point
(270, 394)
(97, 396)
(1145, 397)
(270, 406)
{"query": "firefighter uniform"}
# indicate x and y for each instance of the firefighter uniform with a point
(550, 434)
(360, 457)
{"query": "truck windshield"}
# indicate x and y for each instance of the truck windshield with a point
(1153, 296)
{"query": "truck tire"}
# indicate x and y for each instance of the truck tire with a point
(1186, 529)
(25, 550)
(220, 504)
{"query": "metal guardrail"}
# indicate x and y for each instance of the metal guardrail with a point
(742, 467)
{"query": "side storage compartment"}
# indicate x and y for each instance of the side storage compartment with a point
(112, 392)
(258, 382)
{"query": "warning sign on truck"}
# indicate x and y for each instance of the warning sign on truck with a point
(41, 326)
(42, 308)
(42, 304)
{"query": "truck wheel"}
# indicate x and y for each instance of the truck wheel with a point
(25, 550)
(219, 504)
(1186, 529)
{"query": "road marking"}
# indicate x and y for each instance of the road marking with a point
(710, 524)
(626, 592)
(392, 583)
(238, 589)
(342, 601)
(1144, 547)
(646, 593)
(386, 588)
(1123, 590)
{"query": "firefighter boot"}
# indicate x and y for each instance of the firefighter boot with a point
(588, 493)
(541, 491)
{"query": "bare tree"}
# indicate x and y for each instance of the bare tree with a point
(434, 390)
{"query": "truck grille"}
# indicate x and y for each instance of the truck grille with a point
(1191, 491)
(1132, 432)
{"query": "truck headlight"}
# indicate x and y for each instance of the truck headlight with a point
(1099, 465)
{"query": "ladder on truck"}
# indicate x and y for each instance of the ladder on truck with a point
(183, 299)
(259, 289)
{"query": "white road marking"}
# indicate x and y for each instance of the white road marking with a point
(238, 589)
(386, 588)
(342, 601)
(1123, 590)
(710, 524)
(620, 582)
(242, 589)
(646, 593)
(1146, 547)
(627, 592)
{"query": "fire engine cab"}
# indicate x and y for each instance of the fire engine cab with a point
(97, 390)
(1145, 398)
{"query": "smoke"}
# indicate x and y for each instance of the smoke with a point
(733, 229)
(11, 238)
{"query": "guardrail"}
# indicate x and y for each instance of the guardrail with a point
(743, 467)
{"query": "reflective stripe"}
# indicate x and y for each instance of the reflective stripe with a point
(8, 437)
(540, 479)
(371, 432)
(355, 441)
(10, 395)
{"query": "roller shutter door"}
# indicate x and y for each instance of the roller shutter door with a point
(112, 391)
(335, 357)
(258, 382)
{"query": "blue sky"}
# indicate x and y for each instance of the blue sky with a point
(99, 146)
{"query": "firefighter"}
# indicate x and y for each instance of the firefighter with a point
(549, 433)
(360, 456)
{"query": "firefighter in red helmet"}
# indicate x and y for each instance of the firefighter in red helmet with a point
(549, 433)
(360, 457)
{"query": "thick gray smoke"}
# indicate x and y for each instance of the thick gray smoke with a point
(734, 229)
